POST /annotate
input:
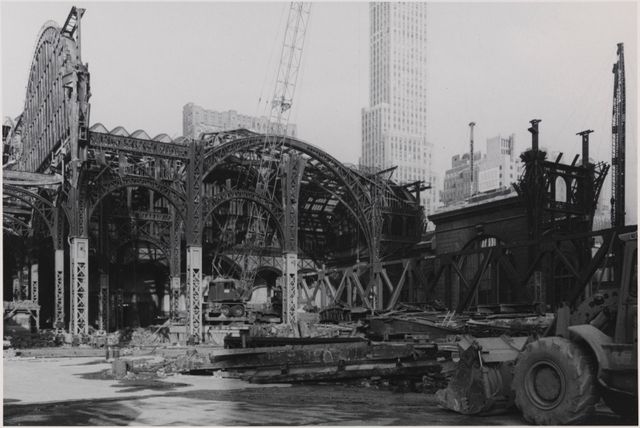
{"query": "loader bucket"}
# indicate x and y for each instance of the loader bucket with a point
(482, 381)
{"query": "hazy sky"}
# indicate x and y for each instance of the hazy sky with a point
(498, 64)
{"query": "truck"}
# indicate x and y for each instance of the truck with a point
(227, 301)
(588, 353)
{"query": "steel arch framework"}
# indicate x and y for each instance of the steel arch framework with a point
(353, 183)
(52, 137)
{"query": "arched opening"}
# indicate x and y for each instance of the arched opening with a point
(140, 290)
(130, 238)
(561, 190)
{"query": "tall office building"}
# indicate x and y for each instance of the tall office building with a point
(394, 126)
(196, 120)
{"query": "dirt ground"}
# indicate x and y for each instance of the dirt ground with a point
(73, 391)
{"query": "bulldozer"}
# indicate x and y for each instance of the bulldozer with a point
(228, 301)
(558, 378)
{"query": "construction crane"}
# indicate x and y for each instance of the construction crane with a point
(618, 128)
(268, 173)
(281, 103)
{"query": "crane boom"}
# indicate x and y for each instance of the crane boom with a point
(280, 110)
(618, 128)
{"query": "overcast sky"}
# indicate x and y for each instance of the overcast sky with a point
(498, 64)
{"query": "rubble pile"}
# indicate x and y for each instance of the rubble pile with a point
(41, 339)
(426, 384)
(153, 335)
(406, 322)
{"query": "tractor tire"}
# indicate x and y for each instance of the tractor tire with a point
(237, 311)
(225, 310)
(625, 405)
(554, 382)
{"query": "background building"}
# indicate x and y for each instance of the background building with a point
(196, 120)
(499, 168)
(457, 180)
(394, 127)
(495, 170)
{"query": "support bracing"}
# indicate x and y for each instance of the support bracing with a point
(79, 285)
(59, 289)
(194, 285)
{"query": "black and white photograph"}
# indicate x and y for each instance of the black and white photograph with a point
(319, 213)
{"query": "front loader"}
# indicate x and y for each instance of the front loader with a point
(586, 354)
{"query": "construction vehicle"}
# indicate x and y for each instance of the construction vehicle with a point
(587, 354)
(227, 301)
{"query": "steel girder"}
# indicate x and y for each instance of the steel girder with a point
(136, 146)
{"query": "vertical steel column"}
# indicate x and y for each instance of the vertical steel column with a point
(378, 295)
(103, 294)
(290, 193)
(193, 232)
(174, 264)
(323, 288)
(375, 281)
(16, 287)
(58, 267)
(59, 289)
(24, 282)
(103, 305)
(35, 286)
(194, 285)
(79, 285)
(175, 297)
(290, 296)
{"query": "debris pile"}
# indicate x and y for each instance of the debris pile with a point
(407, 322)
(41, 339)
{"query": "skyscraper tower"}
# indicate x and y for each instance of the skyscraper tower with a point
(394, 126)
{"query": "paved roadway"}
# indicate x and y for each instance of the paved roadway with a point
(74, 392)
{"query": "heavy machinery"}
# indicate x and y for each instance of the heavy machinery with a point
(586, 354)
(228, 301)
